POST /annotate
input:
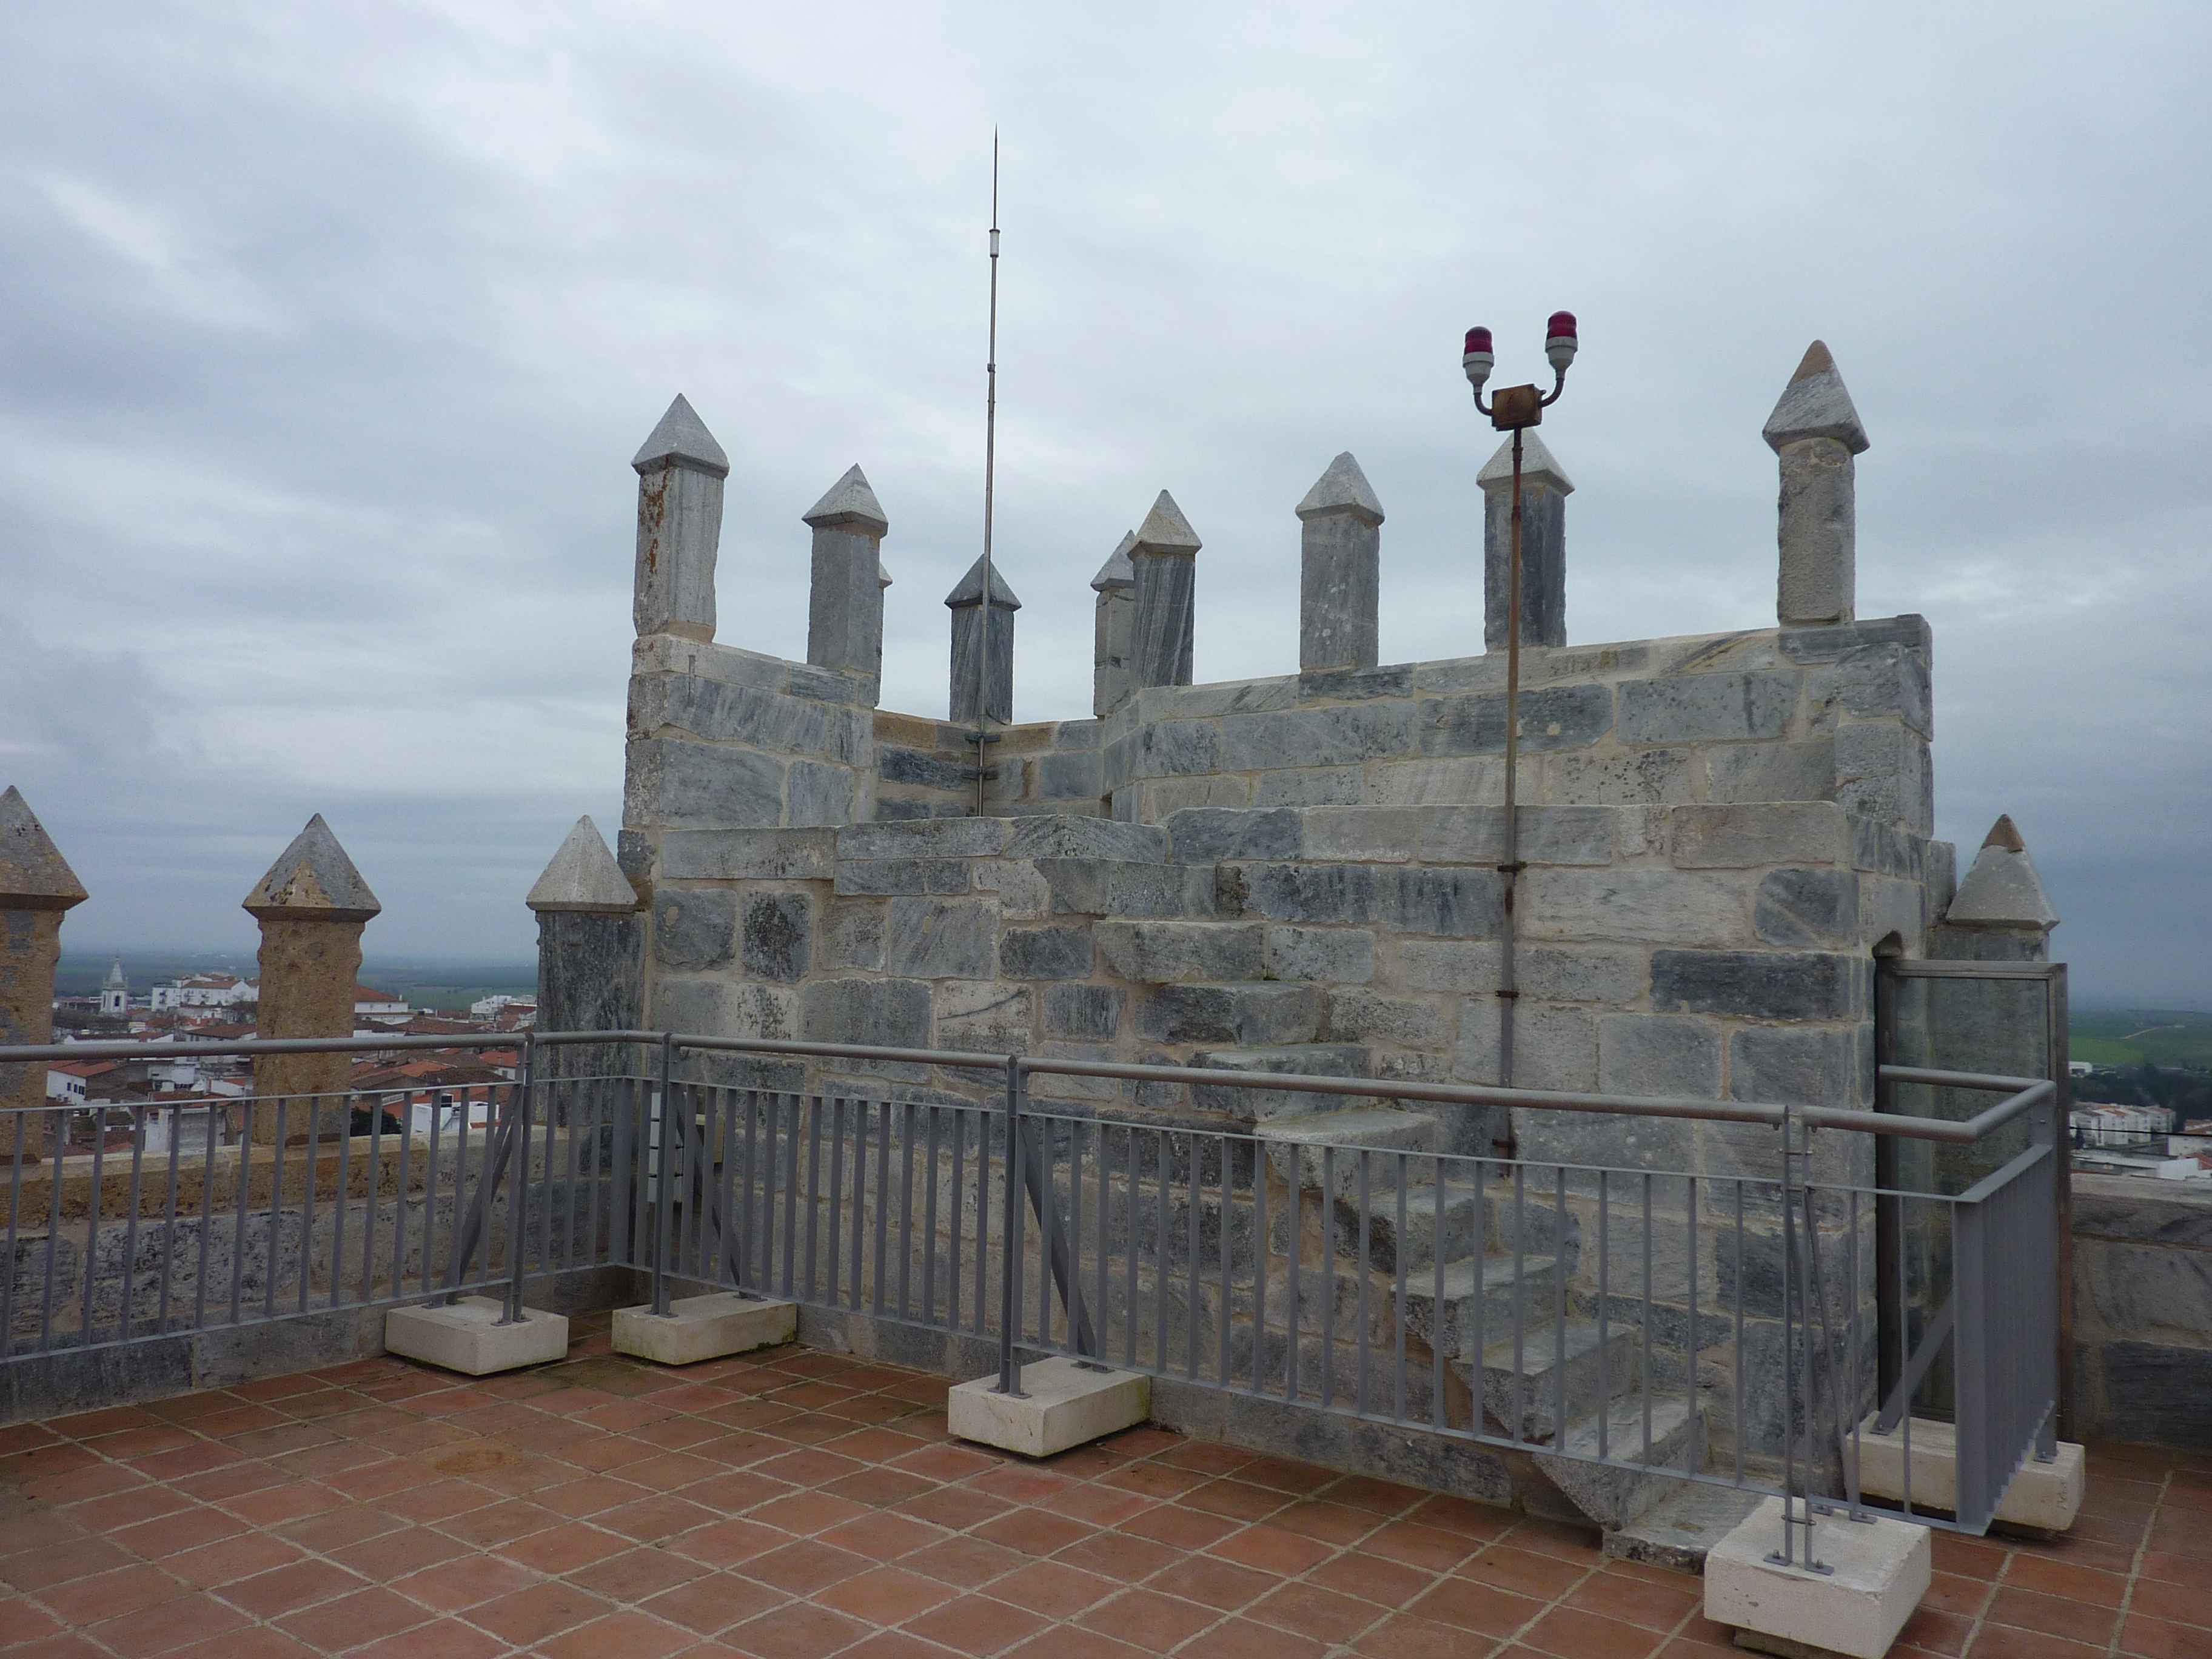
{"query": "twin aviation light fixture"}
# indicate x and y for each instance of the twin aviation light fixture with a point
(1514, 407)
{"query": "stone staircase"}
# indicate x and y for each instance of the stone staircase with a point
(1568, 1383)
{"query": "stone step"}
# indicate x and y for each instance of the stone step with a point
(1298, 1150)
(1592, 1372)
(1261, 1012)
(1679, 1530)
(1484, 1282)
(1617, 1493)
(1345, 1059)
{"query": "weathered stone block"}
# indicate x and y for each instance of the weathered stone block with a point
(897, 764)
(902, 878)
(940, 938)
(1772, 771)
(674, 784)
(1807, 907)
(938, 838)
(1360, 835)
(1320, 785)
(471, 1337)
(779, 931)
(1070, 777)
(1780, 985)
(1331, 736)
(693, 929)
(699, 1328)
(1362, 1015)
(1877, 1571)
(820, 793)
(1546, 973)
(1603, 1140)
(1154, 952)
(1549, 835)
(1060, 1406)
(1882, 771)
(1553, 1047)
(1461, 903)
(1208, 834)
(1551, 717)
(747, 716)
(890, 1013)
(852, 935)
(1045, 954)
(1816, 533)
(1635, 778)
(1801, 1068)
(748, 855)
(1663, 907)
(1745, 837)
(1708, 708)
(1083, 1011)
(1245, 1014)
(1658, 1055)
(1176, 749)
(761, 1011)
(1331, 956)
(1120, 887)
(985, 1015)
(1869, 682)
(1063, 836)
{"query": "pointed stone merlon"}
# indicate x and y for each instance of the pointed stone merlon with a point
(312, 905)
(1165, 562)
(1545, 488)
(37, 887)
(2000, 912)
(1116, 584)
(976, 683)
(680, 470)
(1340, 570)
(845, 606)
(590, 952)
(1814, 433)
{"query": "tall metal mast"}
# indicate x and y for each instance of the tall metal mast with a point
(982, 737)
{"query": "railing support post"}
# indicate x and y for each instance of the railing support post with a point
(518, 1193)
(1010, 1237)
(663, 1203)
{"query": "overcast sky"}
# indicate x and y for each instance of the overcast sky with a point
(328, 332)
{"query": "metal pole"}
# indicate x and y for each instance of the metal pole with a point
(663, 1192)
(517, 1194)
(1509, 868)
(1010, 1236)
(990, 471)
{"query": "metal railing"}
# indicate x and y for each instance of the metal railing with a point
(1708, 1323)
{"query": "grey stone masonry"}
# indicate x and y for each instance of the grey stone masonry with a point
(845, 605)
(1116, 584)
(982, 689)
(36, 886)
(1545, 488)
(1339, 569)
(680, 470)
(1814, 432)
(1165, 562)
(2000, 912)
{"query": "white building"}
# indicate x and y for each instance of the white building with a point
(115, 992)
(370, 1003)
(214, 991)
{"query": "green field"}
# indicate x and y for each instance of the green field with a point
(2129, 1036)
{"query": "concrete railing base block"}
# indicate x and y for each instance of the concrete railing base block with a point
(2044, 1496)
(698, 1328)
(467, 1336)
(1062, 1404)
(1880, 1570)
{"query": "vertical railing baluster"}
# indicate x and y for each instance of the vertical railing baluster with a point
(813, 1193)
(1605, 1312)
(929, 1225)
(56, 1150)
(882, 1198)
(238, 1242)
(906, 1211)
(20, 1128)
(982, 1220)
(1222, 1363)
(312, 1169)
(835, 1294)
(1399, 1264)
(130, 1226)
(859, 1199)
(429, 1191)
(1010, 1275)
(1366, 1258)
(457, 1268)
(1103, 1315)
(207, 1220)
(92, 1222)
(1162, 1158)
(1696, 1344)
(341, 1203)
(1190, 1275)
(1131, 1312)
(1293, 1323)
(1517, 1430)
(957, 1187)
(1440, 1196)
(790, 1199)
(1262, 1246)
(664, 1169)
(518, 1202)
(1328, 1197)
(1643, 1335)
(1559, 1321)
(1742, 1425)
(1075, 1237)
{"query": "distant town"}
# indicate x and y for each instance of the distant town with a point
(156, 1104)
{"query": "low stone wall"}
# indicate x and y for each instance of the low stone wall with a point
(2142, 1311)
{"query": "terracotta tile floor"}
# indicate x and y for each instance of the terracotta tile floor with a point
(797, 1504)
